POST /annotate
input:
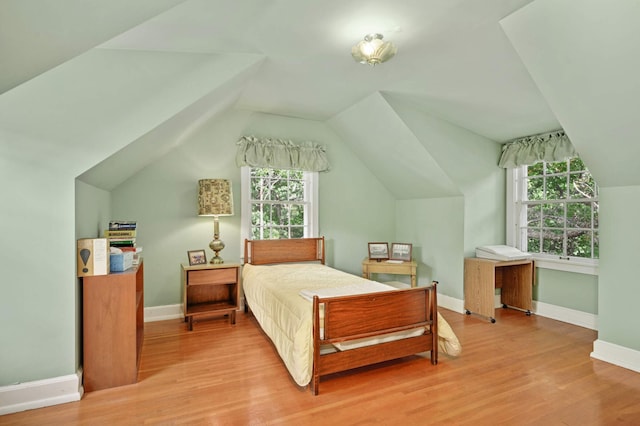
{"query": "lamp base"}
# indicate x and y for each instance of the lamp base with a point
(216, 245)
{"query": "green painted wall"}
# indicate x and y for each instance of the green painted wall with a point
(449, 229)
(38, 284)
(435, 227)
(92, 210)
(355, 208)
(567, 289)
(619, 286)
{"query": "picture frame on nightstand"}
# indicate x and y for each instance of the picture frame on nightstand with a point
(197, 257)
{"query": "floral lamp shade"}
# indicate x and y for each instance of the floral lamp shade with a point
(215, 197)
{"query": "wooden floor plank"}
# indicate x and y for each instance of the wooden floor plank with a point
(522, 370)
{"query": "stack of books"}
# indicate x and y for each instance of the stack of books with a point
(122, 235)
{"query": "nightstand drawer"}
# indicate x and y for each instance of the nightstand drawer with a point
(213, 276)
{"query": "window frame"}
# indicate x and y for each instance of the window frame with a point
(515, 179)
(311, 207)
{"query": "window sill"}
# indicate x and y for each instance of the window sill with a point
(567, 266)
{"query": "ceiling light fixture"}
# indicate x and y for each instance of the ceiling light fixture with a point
(372, 50)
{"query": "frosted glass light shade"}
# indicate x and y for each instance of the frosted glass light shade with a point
(372, 50)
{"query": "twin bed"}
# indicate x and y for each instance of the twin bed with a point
(322, 320)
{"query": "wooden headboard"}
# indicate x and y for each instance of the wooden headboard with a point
(263, 252)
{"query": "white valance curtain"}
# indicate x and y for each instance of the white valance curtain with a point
(553, 146)
(281, 154)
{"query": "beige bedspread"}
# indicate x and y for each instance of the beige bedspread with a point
(273, 294)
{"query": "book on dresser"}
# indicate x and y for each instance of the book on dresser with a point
(120, 225)
(122, 233)
(122, 240)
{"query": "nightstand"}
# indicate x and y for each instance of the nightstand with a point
(210, 290)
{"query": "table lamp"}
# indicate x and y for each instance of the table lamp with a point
(215, 198)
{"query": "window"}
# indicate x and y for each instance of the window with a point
(282, 203)
(555, 212)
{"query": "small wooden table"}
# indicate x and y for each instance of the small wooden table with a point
(483, 276)
(383, 267)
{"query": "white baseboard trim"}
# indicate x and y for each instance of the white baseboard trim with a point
(559, 313)
(168, 312)
(571, 316)
(161, 313)
(616, 355)
(41, 393)
(451, 303)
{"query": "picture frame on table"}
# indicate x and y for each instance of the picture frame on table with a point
(197, 257)
(378, 251)
(401, 251)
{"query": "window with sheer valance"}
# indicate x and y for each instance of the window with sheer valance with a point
(552, 146)
(280, 187)
(552, 203)
(281, 154)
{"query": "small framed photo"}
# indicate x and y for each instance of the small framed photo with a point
(401, 251)
(197, 257)
(378, 251)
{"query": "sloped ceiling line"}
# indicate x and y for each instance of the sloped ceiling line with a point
(464, 156)
(584, 58)
(40, 35)
(391, 150)
(172, 132)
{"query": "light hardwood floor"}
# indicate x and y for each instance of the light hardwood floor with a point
(519, 371)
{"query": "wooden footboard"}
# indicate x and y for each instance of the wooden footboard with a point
(348, 318)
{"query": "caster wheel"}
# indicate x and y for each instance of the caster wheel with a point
(528, 313)
(504, 306)
(468, 312)
(493, 320)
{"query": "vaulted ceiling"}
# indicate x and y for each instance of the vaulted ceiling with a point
(453, 56)
(180, 61)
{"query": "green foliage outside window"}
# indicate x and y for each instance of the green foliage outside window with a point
(562, 210)
(277, 203)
